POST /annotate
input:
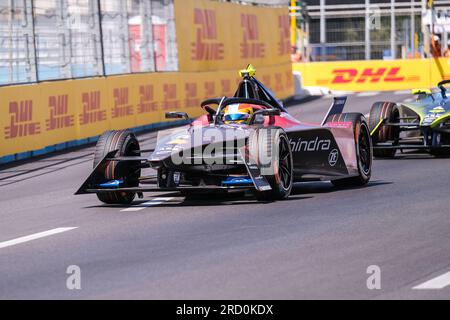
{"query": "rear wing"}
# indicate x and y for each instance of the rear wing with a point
(336, 108)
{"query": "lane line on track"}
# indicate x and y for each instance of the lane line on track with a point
(439, 282)
(400, 92)
(368, 94)
(153, 202)
(34, 236)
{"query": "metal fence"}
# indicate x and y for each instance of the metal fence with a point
(63, 39)
(367, 29)
(270, 3)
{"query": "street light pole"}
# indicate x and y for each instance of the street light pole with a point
(393, 53)
(322, 29)
(367, 32)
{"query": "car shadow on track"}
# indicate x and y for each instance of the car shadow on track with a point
(415, 155)
(217, 200)
(301, 191)
(327, 187)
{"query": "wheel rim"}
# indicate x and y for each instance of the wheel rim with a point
(364, 150)
(285, 164)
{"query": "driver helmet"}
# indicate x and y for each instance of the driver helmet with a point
(238, 113)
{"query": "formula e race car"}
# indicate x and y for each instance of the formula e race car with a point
(247, 142)
(420, 125)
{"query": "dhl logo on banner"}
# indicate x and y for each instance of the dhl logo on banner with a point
(220, 36)
(374, 74)
(368, 75)
(35, 116)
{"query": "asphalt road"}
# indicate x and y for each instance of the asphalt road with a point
(316, 245)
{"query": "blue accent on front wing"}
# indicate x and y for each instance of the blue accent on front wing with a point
(111, 184)
(237, 181)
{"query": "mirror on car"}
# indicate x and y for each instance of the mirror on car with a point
(264, 112)
(177, 115)
(209, 109)
(269, 112)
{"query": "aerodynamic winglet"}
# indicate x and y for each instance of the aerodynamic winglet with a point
(259, 181)
(336, 108)
(93, 177)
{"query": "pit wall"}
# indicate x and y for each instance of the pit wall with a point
(374, 75)
(214, 40)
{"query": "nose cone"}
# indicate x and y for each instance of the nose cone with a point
(197, 138)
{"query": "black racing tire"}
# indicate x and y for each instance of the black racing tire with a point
(384, 110)
(126, 143)
(273, 143)
(438, 139)
(364, 151)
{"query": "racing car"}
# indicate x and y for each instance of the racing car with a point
(420, 125)
(244, 143)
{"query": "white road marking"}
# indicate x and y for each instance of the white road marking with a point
(34, 236)
(400, 92)
(439, 282)
(153, 202)
(409, 100)
(368, 94)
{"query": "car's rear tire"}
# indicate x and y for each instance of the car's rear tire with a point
(364, 152)
(126, 143)
(273, 143)
(380, 111)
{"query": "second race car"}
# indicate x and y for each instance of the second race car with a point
(420, 125)
(248, 142)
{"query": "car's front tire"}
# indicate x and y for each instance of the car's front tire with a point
(273, 143)
(127, 145)
(381, 111)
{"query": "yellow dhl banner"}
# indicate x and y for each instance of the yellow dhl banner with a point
(374, 75)
(213, 35)
(39, 115)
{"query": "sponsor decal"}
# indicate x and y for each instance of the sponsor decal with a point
(59, 117)
(176, 177)
(346, 124)
(226, 87)
(251, 47)
(206, 47)
(121, 107)
(368, 75)
(339, 101)
(429, 118)
(177, 141)
(310, 145)
(333, 157)
(278, 81)
(92, 112)
(289, 79)
(210, 89)
(437, 110)
(191, 91)
(266, 79)
(21, 120)
(284, 45)
(146, 99)
(432, 115)
(170, 96)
